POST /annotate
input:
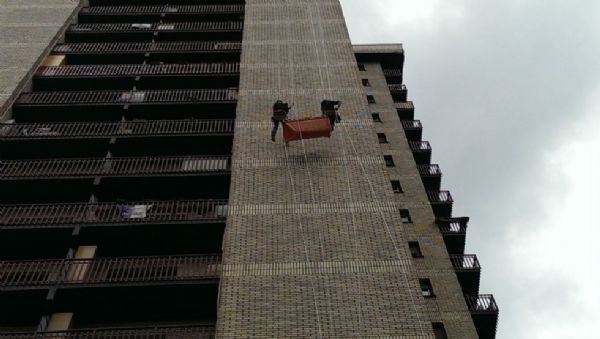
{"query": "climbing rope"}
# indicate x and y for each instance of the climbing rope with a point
(299, 217)
(365, 173)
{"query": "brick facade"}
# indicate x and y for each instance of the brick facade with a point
(314, 244)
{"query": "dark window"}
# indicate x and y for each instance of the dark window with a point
(371, 99)
(361, 67)
(405, 216)
(426, 289)
(382, 138)
(366, 83)
(439, 331)
(396, 186)
(376, 117)
(389, 161)
(415, 249)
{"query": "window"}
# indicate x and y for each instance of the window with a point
(371, 99)
(382, 138)
(405, 216)
(376, 117)
(426, 289)
(396, 186)
(389, 161)
(439, 331)
(415, 249)
(361, 67)
(366, 83)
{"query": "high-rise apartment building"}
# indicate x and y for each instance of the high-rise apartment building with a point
(141, 195)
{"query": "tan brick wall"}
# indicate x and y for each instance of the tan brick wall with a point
(314, 245)
(449, 306)
(27, 28)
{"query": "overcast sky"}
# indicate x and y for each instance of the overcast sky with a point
(509, 95)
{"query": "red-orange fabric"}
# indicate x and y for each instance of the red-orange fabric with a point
(308, 128)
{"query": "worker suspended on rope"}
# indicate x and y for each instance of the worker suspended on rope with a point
(329, 108)
(280, 113)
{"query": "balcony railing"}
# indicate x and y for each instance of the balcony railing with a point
(465, 263)
(450, 226)
(98, 214)
(440, 197)
(164, 9)
(420, 146)
(482, 304)
(83, 130)
(99, 271)
(187, 332)
(138, 70)
(114, 167)
(397, 88)
(412, 124)
(430, 170)
(392, 72)
(128, 97)
(147, 47)
(228, 26)
(404, 106)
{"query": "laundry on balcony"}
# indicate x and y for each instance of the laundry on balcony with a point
(134, 211)
(39, 131)
(308, 128)
(141, 26)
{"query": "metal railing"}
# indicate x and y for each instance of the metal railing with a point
(397, 88)
(404, 106)
(412, 124)
(130, 166)
(36, 273)
(440, 197)
(392, 72)
(465, 262)
(453, 226)
(164, 9)
(147, 47)
(482, 304)
(145, 212)
(183, 332)
(116, 129)
(150, 27)
(429, 170)
(137, 70)
(420, 146)
(128, 97)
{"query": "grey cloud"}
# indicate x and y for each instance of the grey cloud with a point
(496, 89)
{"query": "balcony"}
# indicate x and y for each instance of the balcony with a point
(138, 52)
(399, 92)
(413, 129)
(405, 110)
(441, 202)
(115, 167)
(393, 75)
(166, 13)
(143, 76)
(177, 31)
(431, 175)
(454, 231)
(113, 105)
(122, 129)
(484, 312)
(64, 273)
(468, 271)
(183, 332)
(421, 151)
(112, 214)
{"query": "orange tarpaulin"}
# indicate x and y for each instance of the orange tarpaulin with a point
(308, 128)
